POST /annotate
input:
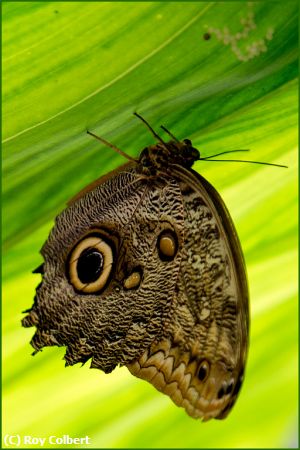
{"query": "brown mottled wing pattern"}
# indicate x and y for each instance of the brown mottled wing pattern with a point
(200, 361)
(117, 325)
(172, 302)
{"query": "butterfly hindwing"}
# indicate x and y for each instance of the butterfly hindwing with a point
(200, 361)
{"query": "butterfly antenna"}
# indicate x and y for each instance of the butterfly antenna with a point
(224, 153)
(244, 161)
(108, 144)
(150, 128)
(169, 133)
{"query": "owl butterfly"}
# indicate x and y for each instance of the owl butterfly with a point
(144, 269)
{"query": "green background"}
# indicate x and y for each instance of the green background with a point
(69, 66)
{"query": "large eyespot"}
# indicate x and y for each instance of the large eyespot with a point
(90, 264)
(167, 245)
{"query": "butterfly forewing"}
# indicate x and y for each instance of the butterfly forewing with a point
(113, 324)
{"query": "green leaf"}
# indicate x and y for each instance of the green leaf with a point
(73, 66)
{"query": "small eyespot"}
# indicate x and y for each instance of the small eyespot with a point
(229, 387)
(133, 280)
(222, 390)
(90, 264)
(238, 385)
(167, 245)
(203, 370)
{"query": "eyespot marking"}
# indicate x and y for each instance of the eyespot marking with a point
(167, 245)
(238, 384)
(229, 387)
(222, 391)
(90, 264)
(203, 370)
(133, 280)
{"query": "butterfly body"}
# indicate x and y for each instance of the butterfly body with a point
(144, 269)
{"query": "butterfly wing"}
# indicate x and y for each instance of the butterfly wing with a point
(101, 180)
(124, 216)
(175, 307)
(200, 361)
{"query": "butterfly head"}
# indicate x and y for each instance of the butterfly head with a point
(158, 158)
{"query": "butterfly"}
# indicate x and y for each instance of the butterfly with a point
(144, 269)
